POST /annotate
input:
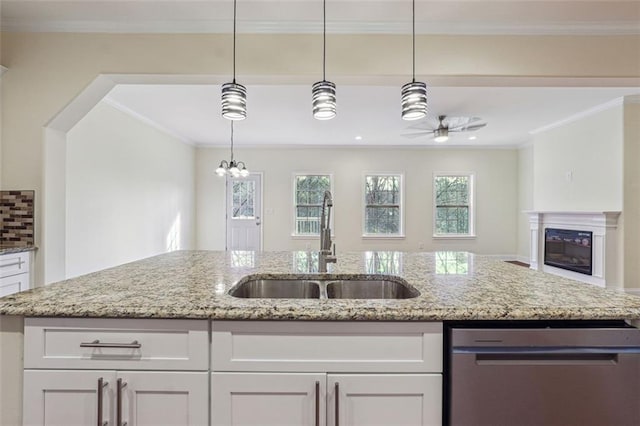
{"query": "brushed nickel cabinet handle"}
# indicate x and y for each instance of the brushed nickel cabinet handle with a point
(98, 344)
(317, 403)
(120, 387)
(337, 396)
(101, 385)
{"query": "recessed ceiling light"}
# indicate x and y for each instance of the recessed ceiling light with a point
(473, 138)
(358, 138)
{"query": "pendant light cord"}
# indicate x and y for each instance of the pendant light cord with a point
(232, 141)
(234, 45)
(324, 38)
(414, 39)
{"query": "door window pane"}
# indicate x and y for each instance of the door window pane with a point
(243, 197)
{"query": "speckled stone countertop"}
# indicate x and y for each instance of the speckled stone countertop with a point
(194, 284)
(15, 249)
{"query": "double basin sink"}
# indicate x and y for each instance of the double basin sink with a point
(340, 287)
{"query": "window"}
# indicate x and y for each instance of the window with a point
(383, 204)
(308, 194)
(453, 204)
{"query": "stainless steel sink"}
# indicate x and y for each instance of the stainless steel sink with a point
(370, 289)
(344, 286)
(277, 289)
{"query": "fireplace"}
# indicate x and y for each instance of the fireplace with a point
(568, 249)
(583, 246)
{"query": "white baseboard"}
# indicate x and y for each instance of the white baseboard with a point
(633, 291)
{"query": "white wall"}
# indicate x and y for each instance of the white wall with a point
(631, 210)
(130, 192)
(496, 195)
(590, 150)
(525, 200)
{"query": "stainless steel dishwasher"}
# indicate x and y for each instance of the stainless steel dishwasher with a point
(544, 377)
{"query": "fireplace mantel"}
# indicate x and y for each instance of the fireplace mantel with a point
(603, 225)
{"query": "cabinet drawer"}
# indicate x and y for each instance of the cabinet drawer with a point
(327, 346)
(14, 263)
(140, 344)
(13, 284)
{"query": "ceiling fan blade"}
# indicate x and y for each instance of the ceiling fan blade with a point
(415, 135)
(473, 127)
(457, 123)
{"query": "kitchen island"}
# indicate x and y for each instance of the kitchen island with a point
(158, 312)
(194, 285)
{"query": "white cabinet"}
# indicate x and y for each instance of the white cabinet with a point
(71, 397)
(14, 272)
(384, 399)
(267, 399)
(323, 373)
(134, 372)
(306, 399)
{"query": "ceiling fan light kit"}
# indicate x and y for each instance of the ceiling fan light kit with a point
(323, 93)
(234, 95)
(441, 134)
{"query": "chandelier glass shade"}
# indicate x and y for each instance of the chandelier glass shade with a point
(414, 94)
(234, 95)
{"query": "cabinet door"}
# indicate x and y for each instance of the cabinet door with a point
(384, 399)
(163, 398)
(264, 399)
(68, 398)
(13, 284)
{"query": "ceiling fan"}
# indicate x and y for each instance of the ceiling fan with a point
(444, 126)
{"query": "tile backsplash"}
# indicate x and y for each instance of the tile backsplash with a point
(16, 218)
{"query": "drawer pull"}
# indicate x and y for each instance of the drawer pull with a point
(98, 344)
(6, 265)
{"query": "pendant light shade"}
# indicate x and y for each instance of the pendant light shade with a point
(323, 93)
(414, 100)
(324, 100)
(234, 95)
(234, 101)
(414, 94)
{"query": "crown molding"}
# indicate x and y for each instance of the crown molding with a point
(315, 27)
(579, 116)
(146, 120)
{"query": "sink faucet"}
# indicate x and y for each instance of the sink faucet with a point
(325, 255)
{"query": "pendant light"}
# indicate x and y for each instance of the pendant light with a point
(232, 168)
(323, 93)
(414, 94)
(234, 95)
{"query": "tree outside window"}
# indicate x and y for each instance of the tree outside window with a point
(453, 204)
(383, 198)
(309, 192)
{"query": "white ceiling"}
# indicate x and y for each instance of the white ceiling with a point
(343, 16)
(280, 115)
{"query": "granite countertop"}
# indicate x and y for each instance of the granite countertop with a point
(194, 284)
(8, 249)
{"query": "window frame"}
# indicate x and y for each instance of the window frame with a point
(400, 234)
(472, 205)
(294, 232)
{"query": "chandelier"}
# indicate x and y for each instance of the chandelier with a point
(232, 167)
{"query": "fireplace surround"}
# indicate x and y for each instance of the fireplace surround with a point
(605, 243)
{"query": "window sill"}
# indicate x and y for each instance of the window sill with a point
(454, 237)
(308, 237)
(382, 237)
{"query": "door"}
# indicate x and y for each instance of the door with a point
(384, 399)
(68, 398)
(264, 399)
(244, 212)
(163, 398)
